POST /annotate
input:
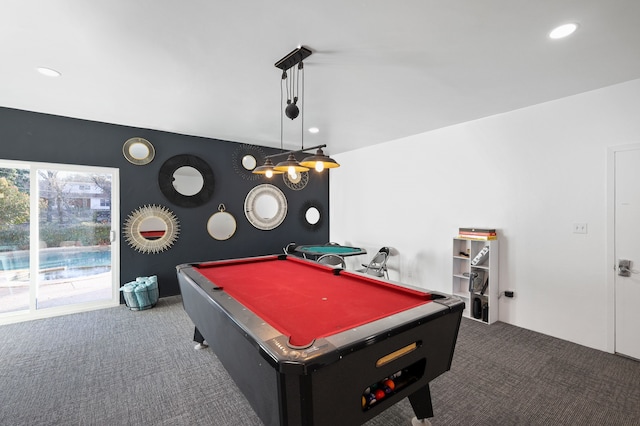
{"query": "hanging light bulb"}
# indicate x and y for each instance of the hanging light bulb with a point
(266, 169)
(319, 161)
(290, 164)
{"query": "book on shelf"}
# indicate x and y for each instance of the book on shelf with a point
(481, 257)
(477, 230)
(481, 234)
(478, 237)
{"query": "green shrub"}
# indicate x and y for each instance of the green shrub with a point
(88, 234)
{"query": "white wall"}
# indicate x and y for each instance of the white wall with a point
(530, 173)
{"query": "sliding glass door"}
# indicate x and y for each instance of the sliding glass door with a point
(15, 214)
(58, 251)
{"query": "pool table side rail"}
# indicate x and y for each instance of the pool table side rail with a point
(273, 345)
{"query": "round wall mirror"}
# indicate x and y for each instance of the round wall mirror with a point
(138, 151)
(265, 207)
(249, 162)
(151, 229)
(296, 182)
(245, 158)
(311, 215)
(221, 225)
(186, 180)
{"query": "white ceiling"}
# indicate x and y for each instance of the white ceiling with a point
(380, 70)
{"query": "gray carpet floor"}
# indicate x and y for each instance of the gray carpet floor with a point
(122, 367)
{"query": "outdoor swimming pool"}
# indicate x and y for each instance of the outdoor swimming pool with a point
(58, 262)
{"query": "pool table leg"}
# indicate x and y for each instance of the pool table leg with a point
(421, 402)
(421, 422)
(199, 339)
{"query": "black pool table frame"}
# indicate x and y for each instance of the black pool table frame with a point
(323, 384)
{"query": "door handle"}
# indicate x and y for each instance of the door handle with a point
(112, 235)
(624, 268)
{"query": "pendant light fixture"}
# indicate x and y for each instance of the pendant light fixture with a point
(319, 161)
(267, 169)
(291, 80)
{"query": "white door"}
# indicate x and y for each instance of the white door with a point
(627, 247)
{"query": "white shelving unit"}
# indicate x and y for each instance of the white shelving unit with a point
(484, 293)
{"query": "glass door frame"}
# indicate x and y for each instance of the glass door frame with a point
(34, 246)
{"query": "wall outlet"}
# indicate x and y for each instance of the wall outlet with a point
(580, 228)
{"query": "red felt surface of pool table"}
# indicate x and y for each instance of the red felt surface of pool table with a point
(305, 300)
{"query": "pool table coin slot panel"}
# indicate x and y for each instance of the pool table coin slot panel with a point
(386, 387)
(397, 354)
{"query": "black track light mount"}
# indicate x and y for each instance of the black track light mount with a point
(295, 57)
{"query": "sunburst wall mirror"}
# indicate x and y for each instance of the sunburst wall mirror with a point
(151, 229)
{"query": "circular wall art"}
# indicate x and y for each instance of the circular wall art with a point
(265, 207)
(312, 215)
(138, 151)
(245, 158)
(221, 225)
(298, 182)
(186, 180)
(151, 229)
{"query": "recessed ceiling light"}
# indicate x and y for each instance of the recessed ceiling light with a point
(563, 31)
(313, 130)
(49, 72)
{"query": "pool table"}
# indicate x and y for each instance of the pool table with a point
(312, 345)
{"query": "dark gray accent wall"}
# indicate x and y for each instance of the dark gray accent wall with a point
(39, 137)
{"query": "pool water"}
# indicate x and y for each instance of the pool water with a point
(62, 274)
(61, 262)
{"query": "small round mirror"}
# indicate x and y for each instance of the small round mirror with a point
(187, 180)
(245, 159)
(297, 181)
(138, 151)
(249, 162)
(221, 225)
(312, 215)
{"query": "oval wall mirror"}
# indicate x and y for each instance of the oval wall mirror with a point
(311, 215)
(151, 229)
(186, 180)
(265, 207)
(221, 225)
(138, 151)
